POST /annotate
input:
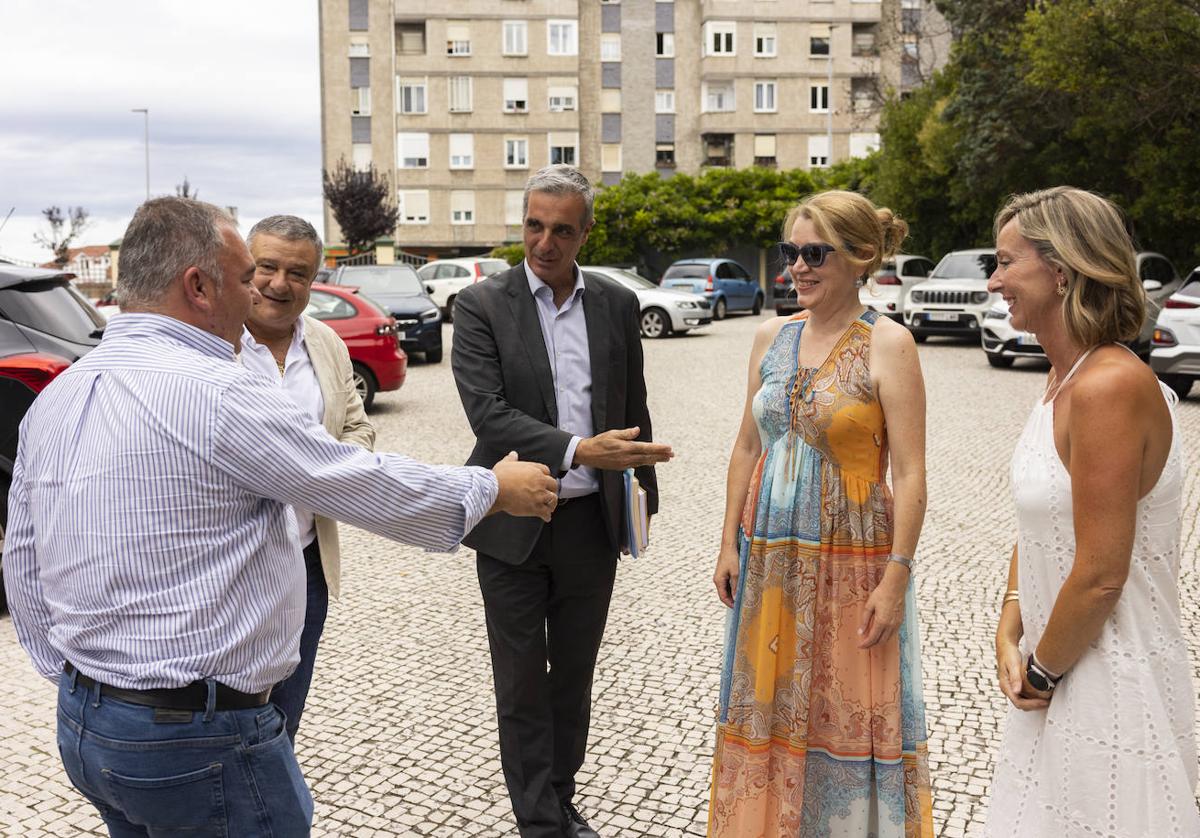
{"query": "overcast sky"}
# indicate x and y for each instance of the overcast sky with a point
(234, 98)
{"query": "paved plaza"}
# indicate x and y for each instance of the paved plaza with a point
(399, 738)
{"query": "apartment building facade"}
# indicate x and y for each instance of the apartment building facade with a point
(459, 103)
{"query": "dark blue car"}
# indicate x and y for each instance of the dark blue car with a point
(723, 282)
(400, 292)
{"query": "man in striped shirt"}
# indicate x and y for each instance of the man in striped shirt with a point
(152, 563)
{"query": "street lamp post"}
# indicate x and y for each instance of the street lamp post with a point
(145, 112)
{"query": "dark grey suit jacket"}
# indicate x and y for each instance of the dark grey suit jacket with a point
(503, 375)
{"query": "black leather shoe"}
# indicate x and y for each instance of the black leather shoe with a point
(577, 827)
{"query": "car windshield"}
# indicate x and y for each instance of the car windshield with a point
(965, 266)
(379, 309)
(1191, 286)
(631, 280)
(383, 279)
(686, 272)
(53, 307)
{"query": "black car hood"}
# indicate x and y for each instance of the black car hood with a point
(403, 304)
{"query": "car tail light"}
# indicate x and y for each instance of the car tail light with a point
(887, 279)
(35, 370)
(1174, 302)
(708, 285)
(1163, 337)
(385, 328)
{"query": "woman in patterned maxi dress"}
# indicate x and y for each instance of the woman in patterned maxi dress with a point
(1090, 648)
(821, 722)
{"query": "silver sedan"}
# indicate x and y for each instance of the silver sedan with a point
(664, 311)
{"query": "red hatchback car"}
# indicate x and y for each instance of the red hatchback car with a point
(370, 334)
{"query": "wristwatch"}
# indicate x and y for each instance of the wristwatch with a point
(1039, 678)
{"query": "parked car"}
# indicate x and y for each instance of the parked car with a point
(45, 325)
(444, 278)
(723, 282)
(399, 290)
(887, 288)
(45, 308)
(1004, 344)
(369, 332)
(1175, 342)
(664, 310)
(954, 300)
(107, 305)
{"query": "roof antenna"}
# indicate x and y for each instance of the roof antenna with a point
(5, 221)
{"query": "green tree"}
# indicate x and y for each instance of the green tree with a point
(1130, 71)
(1100, 94)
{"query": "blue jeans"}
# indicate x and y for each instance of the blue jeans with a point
(199, 774)
(290, 694)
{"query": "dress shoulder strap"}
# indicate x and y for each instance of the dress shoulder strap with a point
(1076, 366)
(1053, 389)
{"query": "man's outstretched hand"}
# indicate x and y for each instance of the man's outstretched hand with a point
(526, 489)
(616, 450)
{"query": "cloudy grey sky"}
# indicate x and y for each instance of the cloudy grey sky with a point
(234, 99)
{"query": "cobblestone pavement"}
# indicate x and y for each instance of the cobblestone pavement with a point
(399, 738)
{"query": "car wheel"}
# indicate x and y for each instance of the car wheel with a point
(719, 309)
(364, 383)
(655, 324)
(1181, 384)
(758, 304)
(999, 361)
(433, 356)
(448, 313)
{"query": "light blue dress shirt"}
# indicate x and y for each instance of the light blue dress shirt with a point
(151, 542)
(564, 331)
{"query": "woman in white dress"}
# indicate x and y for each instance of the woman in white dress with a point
(1100, 739)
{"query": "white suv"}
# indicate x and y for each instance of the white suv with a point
(954, 300)
(444, 278)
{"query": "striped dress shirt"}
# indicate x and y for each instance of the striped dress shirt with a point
(151, 542)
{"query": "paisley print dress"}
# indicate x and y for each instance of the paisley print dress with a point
(817, 737)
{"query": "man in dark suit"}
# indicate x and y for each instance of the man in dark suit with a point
(549, 364)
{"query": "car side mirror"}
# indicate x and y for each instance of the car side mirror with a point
(1152, 285)
(429, 290)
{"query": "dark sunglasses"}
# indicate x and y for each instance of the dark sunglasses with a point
(812, 254)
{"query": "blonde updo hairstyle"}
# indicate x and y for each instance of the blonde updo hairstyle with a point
(864, 234)
(1084, 235)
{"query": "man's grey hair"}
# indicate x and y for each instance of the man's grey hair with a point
(165, 238)
(290, 227)
(561, 179)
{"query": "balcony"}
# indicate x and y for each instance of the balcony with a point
(718, 150)
(865, 40)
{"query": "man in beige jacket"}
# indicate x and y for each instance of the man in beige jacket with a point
(312, 364)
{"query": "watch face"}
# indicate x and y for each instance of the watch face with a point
(1036, 679)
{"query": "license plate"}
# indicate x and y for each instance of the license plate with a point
(1026, 339)
(943, 316)
(401, 336)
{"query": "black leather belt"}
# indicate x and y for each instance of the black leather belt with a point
(192, 697)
